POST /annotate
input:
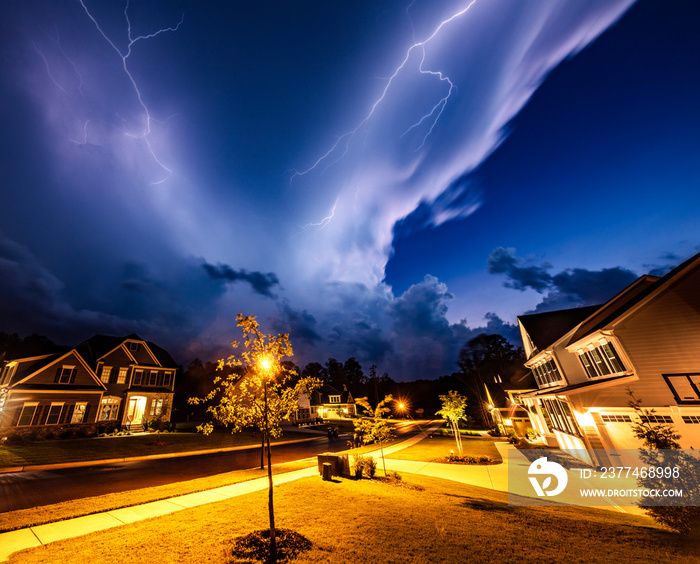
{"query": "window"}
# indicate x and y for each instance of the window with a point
(121, 378)
(334, 399)
(603, 360)
(133, 347)
(154, 378)
(54, 415)
(158, 407)
(104, 375)
(691, 419)
(616, 418)
(561, 416)
(79, 413)
(547, 373)
(166, 378)
(27, 415)
(656, 419)
(138, 375)
(685, 387)
(66, 375)
(7, 373)
(109, 409)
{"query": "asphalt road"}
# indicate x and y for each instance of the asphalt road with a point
(21, 490)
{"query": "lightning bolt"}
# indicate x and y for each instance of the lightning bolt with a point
(145, 133)
(435, 113)
(325, 221)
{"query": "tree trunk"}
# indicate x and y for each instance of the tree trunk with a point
(262, 453)
(270, 504)
(271, 507)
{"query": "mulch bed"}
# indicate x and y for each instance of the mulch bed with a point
(255, 547)
(479, 460)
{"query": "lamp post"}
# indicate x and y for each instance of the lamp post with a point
(265, 367)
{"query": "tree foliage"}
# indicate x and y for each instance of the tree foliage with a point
(481, 360)
(374, 428)
(255, 392)
(662, 450)
(453, 409)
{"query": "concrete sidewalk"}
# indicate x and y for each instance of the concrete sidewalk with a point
(33, 537)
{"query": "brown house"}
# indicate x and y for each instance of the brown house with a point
(123, 380)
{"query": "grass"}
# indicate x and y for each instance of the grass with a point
(104, 448)
(352, 522)
(87, 506)
(437, 447)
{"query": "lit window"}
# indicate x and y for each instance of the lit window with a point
(158, 407)
(27, 415)
(121, 377)
(104, 375)
(691, 419)
(78, 413)
(67, 375)
(109, 409)
(547, 373)
(334, 399)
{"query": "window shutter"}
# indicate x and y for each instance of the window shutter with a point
(36, 420)
(73, 375)
(87, 413)
(15, 417)
(68, 413)
(58, 375)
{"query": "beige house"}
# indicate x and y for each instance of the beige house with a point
(121, 380)
(645, 340)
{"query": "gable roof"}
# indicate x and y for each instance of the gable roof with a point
(322, 395)
(98, 346)
(546, 328)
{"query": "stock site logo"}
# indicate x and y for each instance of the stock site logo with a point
(542, 468)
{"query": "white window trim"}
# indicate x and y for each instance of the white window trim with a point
(25, 405)
(122, 375)
(75, 409)
(105, 373)
(64, 368)
(60, 413)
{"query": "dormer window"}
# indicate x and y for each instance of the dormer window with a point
(602, 360)
(334, 399)
(7, 373)
(133, 346)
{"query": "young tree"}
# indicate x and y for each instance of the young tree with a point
(256, 395)
(375, 428)
(662, 450)
(453, 406)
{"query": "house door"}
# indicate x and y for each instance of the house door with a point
(134, 415)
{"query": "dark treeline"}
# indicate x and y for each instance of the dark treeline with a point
(485, 359)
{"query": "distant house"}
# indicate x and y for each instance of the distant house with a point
(584, 361)
(124, 380)
(324, 403)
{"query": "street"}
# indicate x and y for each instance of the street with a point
(21, 490)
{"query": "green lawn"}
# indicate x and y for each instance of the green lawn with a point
(351, 522)
(431, 449)
(103, 448)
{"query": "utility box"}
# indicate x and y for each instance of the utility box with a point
(340, 464)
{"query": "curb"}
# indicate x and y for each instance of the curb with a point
(83, 463)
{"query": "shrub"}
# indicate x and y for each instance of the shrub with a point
(365, 466)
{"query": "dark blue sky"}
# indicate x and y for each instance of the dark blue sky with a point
(381, 179)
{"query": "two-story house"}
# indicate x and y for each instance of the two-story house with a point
(586, 361)
(124, 380)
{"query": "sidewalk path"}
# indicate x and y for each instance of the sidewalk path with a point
(32, 537)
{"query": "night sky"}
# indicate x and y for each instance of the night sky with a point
(380, 179)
